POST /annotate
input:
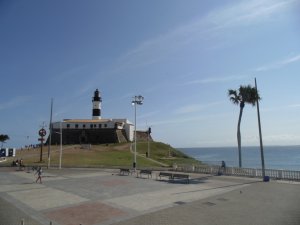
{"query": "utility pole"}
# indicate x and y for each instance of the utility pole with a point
(50, 134)
(260, 137)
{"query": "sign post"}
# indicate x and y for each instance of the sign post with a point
(42, 133)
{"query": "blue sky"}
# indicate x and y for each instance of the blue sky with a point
(182, 56)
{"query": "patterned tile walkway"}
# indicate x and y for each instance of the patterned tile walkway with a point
(102, 197)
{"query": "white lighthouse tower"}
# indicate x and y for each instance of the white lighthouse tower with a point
(96, 105)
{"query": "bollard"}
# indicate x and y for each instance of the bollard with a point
(22, 222)
(50, 223)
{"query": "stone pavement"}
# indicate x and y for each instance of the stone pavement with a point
(102, 197)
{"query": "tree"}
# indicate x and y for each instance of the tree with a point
(244, 95)
(3, 138)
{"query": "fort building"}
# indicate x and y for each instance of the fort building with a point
(96, 130)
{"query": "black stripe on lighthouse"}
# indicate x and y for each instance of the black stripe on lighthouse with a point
(96, 112)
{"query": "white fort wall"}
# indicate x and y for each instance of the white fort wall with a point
(96, 124)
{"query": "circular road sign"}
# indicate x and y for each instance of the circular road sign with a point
(42, 132)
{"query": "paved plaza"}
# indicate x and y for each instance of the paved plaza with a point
(102, 197)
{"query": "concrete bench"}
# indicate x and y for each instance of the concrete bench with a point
(181, 176)
(147, 172)
(165, 174)
(124, 171)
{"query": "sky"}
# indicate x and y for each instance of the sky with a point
(181, 56)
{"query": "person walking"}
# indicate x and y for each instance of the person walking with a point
(39, 173)
(223, 167)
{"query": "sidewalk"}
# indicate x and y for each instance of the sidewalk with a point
(257, 204)
(101, 197)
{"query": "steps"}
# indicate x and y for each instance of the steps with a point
(121, 136)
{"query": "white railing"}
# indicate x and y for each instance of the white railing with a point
(234, 171)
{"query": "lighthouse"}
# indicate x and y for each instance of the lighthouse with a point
(96, 105)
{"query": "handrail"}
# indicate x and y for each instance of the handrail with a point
(235, 171)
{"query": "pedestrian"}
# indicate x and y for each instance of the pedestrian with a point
(223, 165)
(39, 173)
(21, 164)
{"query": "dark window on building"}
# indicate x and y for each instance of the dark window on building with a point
(68, 125)
(95, 125)
(100, 125)
(83, 126)
(76, 125)
(91, 126)
(105, 125)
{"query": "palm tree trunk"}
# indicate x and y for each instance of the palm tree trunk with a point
(239, 134)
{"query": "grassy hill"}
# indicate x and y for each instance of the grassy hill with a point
(110, 155)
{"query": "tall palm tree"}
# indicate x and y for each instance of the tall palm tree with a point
(244, 95)
(3, 138)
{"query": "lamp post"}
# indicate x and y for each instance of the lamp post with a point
(148, 137)
(137, 100)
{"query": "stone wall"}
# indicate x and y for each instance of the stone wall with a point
(86, 136)
(143, 136)
(94, 136)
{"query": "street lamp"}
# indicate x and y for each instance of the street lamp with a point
(148, 137)
(137, 100)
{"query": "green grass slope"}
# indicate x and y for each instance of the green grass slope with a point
(112, 155)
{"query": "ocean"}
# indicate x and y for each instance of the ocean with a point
(276, 157)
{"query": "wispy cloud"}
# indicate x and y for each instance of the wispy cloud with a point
(187, 119)
(216, 80)
(294, 106)
(214, 23)
(279, 64)
(196, 107)
(71, 73)
(247, 12)
(14, 102)
(281, 108)
(176, 120)
(282, 138)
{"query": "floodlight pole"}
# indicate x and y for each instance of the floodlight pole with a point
(138, 100)
(260, 136)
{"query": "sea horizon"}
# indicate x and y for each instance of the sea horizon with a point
(234, 146)
(286, 157)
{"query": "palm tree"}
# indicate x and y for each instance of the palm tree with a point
(245, 94)
(3, 138)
